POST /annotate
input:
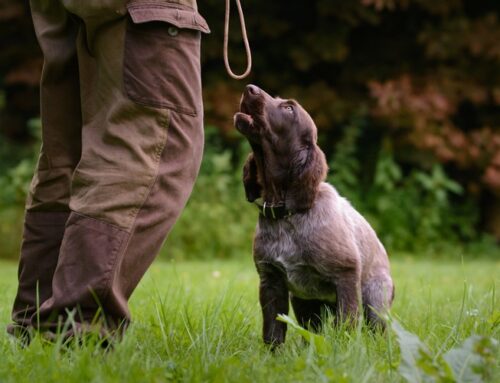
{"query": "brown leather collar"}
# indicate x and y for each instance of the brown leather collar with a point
(273, 210)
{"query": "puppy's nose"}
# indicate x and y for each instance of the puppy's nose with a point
(253, 89)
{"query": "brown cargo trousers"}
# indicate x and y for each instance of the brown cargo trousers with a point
(122, 141)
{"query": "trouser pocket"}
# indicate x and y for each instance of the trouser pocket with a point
(162, 56)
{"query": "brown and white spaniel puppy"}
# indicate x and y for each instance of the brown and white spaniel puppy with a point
(311, 246)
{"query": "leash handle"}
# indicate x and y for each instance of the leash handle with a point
(245, 42)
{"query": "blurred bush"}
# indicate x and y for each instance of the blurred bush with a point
(412, 210)
(405, 93)
(20, 70)
(16, 169)
(218, 222)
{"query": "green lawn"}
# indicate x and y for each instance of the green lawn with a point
(200, 321)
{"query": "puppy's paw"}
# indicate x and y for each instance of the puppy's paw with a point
(243, 122)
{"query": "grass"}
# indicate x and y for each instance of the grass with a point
(200, 321)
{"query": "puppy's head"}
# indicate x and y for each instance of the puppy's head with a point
(282, 125)
(283, 137)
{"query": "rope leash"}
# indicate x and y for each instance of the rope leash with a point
(245, 42)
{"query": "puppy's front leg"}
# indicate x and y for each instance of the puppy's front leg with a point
(273, 296)
(348, 297)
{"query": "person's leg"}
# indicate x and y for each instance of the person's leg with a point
(47, 205)
(142, 141)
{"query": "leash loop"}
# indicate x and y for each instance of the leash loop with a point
(245, 42)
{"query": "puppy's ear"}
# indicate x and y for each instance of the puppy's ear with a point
(308, 170)
(250, 180)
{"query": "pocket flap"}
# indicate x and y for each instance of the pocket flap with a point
(180, 17)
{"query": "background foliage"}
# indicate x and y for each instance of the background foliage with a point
(405, 93)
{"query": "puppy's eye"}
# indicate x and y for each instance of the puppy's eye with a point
(288, 108)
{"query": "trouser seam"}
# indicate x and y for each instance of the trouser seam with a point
(100, 221)
(158, 154)
(107, 276)
(51, 167)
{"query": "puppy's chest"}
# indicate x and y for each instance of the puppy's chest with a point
(296, 259)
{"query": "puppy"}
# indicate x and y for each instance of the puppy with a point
(311, 246)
